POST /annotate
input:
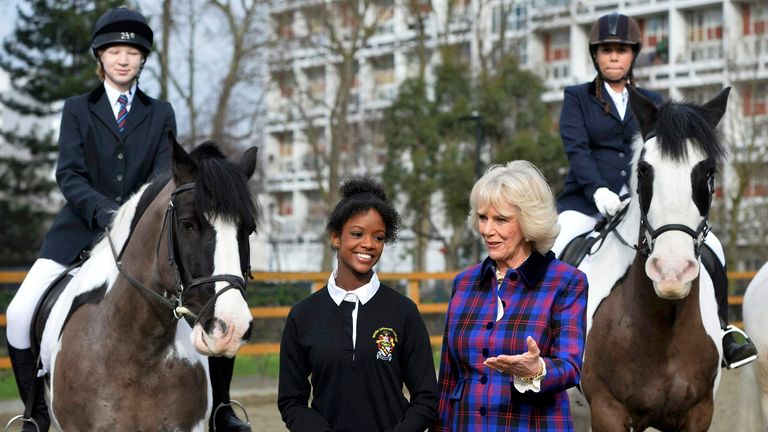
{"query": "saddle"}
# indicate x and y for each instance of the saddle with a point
(49, 298)
(581, 245)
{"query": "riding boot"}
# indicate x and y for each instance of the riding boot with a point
(223, 418)
(25, 372)
(738, 349)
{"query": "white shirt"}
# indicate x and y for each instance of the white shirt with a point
(362, 294)
(113, 94)
(619, 99)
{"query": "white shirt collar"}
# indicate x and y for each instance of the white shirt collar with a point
(364, 293)
(619, 99)
(113, 94)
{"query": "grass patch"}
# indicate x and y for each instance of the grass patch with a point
(7, 385)
(261, 365)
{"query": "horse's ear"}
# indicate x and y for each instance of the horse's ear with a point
(247, 161)
(716, 107)
(645, 111)
(183, 165)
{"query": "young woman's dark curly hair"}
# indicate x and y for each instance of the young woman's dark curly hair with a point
(358, 195)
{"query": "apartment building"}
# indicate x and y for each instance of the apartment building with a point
(691, 50)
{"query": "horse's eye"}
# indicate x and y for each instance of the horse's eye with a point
(642, 171)
(187, 225)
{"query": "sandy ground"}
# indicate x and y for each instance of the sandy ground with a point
(260, 395)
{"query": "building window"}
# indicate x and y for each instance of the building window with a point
(383, 77)
(557, 54)
(285, 143)
(701, 94)
(284, 203)
(754, 18)
(314, 21)
(705, 34)
(283, 25)
(385, 16)
(516, 17)
(655, 41)
(285, 83)
(756, 99)
(316, 84)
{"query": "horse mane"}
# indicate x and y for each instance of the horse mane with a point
(222, 187)
(149, 195)
(682, 121)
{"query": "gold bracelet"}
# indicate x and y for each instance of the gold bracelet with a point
(538, 375)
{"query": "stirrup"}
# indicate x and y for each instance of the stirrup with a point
(733, 329)
(231, 402)
(23, 420)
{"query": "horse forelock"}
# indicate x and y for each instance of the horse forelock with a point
(221, 188)
(680, 122)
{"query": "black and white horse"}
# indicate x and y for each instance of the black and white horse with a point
(653, 351)
(125, 360)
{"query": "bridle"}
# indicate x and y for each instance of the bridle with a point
(175, 300)
(697, 234)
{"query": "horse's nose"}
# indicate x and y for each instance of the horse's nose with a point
(672, 276)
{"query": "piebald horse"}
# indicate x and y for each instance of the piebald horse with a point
(125, 361)
(653, 351)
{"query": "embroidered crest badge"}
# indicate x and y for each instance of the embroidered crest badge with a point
(385, 339)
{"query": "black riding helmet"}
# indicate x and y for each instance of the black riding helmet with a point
(614, 28)
(122, 26)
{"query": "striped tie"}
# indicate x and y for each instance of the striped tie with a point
(122, 115)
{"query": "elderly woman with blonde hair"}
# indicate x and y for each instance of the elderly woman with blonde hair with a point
(515, 327)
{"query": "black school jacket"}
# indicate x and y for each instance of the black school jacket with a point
(99, 168)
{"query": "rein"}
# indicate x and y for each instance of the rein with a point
(175, 302)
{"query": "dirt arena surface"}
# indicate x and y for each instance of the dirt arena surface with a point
(260, 395)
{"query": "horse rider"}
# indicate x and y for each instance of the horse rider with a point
(111, 141)
(597, 128)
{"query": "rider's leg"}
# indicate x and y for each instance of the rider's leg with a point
(19, 321)
(223, 419)
(25, 372)
(572, 223)
(735, 352)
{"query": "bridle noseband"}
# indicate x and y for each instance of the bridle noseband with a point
(698, 234)
(175, 301)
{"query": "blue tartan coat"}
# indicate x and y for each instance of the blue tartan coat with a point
(545, 299)
(598, 146)
(99, 168)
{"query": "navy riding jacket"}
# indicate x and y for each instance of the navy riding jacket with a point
(99, 168)
(598, 146)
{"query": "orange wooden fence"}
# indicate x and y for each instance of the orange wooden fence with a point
(318, 279)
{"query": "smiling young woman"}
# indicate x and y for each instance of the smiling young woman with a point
(358, 340)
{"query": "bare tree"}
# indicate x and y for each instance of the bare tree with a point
(216, 42)
(166, 26)
(745, 193)
(338, 31)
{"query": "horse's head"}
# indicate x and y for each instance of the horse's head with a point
(674, 180)
(212, 213)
